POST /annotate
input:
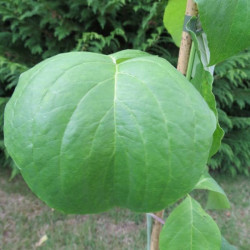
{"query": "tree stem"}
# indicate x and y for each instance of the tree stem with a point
(191, 10)
(156, 232)
(183, 59)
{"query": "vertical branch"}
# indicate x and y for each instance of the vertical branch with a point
(184, 52)
(191, 10)
(156, 232)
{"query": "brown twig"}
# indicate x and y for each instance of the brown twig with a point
(156, 232)
(191, 10)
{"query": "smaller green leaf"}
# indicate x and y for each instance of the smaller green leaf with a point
(225, 245)
(202, 78)
(174, 18)
(189, 227)
(217, 199)
(217, 137)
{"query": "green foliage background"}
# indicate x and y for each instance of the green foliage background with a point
(31, 31)
(232, 92)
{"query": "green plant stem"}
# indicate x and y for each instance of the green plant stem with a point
(149, 227)
(190, 62)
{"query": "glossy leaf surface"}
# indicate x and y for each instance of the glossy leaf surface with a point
(91, 131)
(189, 227)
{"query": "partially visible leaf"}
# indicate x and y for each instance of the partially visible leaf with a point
(217, 199)
(174, 18)
(124, 55)
(226, 24)
(202, 78)
(217, 138)
(225, 245)
(3, 100)
(189, 227)
(15, 171)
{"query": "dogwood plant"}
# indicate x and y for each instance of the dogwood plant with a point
(90, 132)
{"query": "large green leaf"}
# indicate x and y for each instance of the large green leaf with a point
(226, 24)
(174, 18)
(217, 199)
(92, 131)
(189, 227)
